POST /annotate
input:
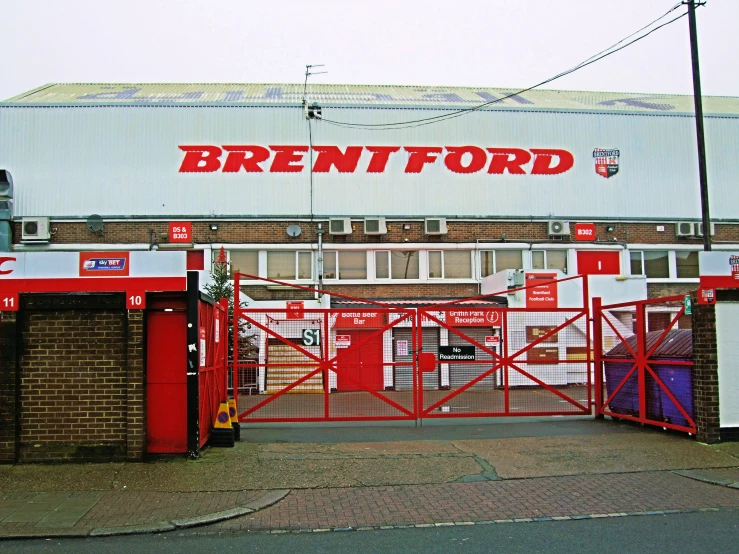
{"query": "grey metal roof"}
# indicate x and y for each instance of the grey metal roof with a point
(387, 96)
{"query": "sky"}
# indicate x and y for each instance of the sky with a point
(490, 43)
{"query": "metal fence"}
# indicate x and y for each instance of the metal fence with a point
(643, 360)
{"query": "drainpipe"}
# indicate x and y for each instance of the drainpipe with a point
(320, 232)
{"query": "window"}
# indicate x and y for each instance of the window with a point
(492, 261)
(687, 264)
(382, 265)
(652, 263)
(351, 265)
(289, 265)
(549, 259)
(404, 264)
(449, 264)
(244, 262)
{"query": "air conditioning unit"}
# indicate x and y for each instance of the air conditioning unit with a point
(375, 226)
(685, 229)
(436, 226)
(340, 226)
(699, 229)
(558, 228)
(35, 229)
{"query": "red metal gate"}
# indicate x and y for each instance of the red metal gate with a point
(643, 360)
(212, 381)
(508, 362)
(363, 363)
(327, 365)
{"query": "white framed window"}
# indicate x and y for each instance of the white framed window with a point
(686, 264)
(242, 261)
(449, 264)
(382, 264)
(404, 264)
(549, 259)
(492, 261)
(654, 264)
(289, 265)
(349, 264)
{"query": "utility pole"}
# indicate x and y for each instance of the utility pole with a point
(697, 98)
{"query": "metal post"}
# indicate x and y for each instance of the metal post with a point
(597, 352)
(697, 98)
(193, 365)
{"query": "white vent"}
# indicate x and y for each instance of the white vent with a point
(685, 229)
(699, 229)
(35, 229)
(558, 228)
(375, 226)
(436, 226)
(341, 226)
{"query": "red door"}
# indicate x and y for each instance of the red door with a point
(360, 365)
(595, 262)
(166, 382)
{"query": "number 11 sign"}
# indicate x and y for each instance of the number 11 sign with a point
(9, 302)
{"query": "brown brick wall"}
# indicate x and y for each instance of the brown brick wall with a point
(658, 290)
(8, 384)
(73, 384)
(274, 232)
(705, 373)
(135, 387)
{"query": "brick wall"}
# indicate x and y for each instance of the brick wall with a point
(8, 387)
(81, 387)
(441, 290)
(252, 231)
(705, 373)
(135, 387)
(658, 290)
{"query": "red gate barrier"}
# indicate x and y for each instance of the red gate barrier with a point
(507, 362)
(212, 381)
(643, 359)
(329, 365)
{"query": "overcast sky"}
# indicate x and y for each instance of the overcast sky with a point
(495, 43)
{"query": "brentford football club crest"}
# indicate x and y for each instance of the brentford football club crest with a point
(606, 162)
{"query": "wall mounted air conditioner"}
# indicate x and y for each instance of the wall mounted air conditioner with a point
(685, 229)
(35, 229)
(436, 226)
(558, 228)
(375, 226)
(699, 229)
(340, 226)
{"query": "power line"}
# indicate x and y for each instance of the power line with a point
(457, 113)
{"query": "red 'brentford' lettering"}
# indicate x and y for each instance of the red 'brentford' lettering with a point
(458, 159)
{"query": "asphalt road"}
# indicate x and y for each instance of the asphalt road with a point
(705, 532)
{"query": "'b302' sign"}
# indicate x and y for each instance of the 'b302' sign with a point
(585, 231)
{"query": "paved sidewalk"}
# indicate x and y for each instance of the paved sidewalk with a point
(367, 477)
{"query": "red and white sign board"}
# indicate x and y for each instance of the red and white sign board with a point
(135, 300)
(9, 302)
(401, 348)
(544, 295)
(202, 346)
(83, 271)
(180, 231)
(366, 320)
(474, 317)
(492, 341)
(706, 296)
(719, 270)
(585, 231)
(343, 341)
(104, 264)
(295, 309)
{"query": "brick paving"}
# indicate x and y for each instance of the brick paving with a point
(483, 501)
